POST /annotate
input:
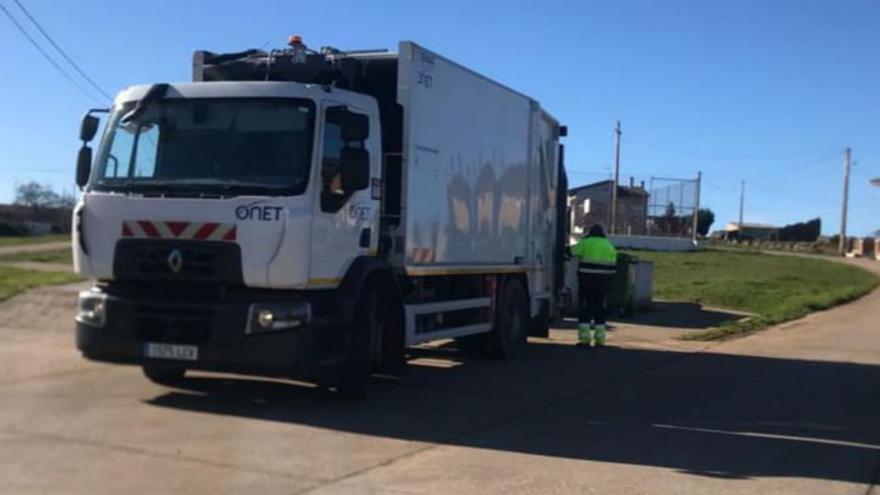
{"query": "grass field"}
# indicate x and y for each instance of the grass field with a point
(34, 239)
(64, 256)
(15, 280)
(773, 288)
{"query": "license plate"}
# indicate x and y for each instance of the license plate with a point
(171, 351)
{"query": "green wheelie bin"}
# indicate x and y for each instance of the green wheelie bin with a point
(620, 296)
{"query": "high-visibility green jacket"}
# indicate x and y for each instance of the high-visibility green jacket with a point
(596, 255)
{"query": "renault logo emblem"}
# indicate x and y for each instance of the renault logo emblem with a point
(175, 261)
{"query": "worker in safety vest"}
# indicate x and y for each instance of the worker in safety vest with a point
(597, 263)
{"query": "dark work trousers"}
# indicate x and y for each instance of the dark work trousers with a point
(592, 296)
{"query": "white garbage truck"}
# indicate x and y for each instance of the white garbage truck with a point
(312, 214)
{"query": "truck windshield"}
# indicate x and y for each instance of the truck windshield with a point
(197, 146)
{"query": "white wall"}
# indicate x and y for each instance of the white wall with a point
(653, 243)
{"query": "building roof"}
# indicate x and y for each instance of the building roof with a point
(621, 190)
(734, 226)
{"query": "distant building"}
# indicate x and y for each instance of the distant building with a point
(751, 231)
(591, 204)
(860, 247)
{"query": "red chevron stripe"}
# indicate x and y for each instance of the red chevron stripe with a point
(177, 227)
(205, 231)
(148, 228)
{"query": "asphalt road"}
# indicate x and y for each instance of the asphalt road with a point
(791, 410)
(34, 248)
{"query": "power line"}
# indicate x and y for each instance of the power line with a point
(789, 155)
(39, 170)
(62, 52)
(46, 55)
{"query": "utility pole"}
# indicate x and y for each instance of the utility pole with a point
(841, 248)
(742, 199)
(697, 206)
(613, 228)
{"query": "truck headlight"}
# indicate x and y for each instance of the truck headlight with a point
(92, 308)
(270, 317)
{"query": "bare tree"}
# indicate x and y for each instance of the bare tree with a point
(66, 201)
(36, 195)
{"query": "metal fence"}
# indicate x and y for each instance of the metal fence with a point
(673, 206)
(664, 207)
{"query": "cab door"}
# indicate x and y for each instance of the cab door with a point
(345, 223)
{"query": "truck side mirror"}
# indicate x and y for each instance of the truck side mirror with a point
(83, 166)
(355, 126)
(88, 128)
(355, 169)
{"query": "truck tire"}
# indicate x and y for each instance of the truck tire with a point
(164, 374)
(355, 371)
(539, 326)
(508, 339)
(390, 348)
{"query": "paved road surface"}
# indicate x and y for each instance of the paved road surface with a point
(33, 248)
(39, 266)
(36, 248)
(791, 410)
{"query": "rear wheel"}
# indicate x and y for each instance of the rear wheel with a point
(539, 326)
(164, 374)
(508, 338)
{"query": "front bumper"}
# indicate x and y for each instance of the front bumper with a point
(216, 327)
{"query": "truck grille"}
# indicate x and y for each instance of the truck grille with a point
(196, 261)
(173, 324)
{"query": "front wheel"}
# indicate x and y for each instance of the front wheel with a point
(371, 315)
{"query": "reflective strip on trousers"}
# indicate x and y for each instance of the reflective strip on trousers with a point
(597, 271)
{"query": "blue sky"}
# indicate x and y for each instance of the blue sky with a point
(770, 92)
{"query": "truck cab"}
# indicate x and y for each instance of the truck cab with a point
(232, 187)
(281, 170)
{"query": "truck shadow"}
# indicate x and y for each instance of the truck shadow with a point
(682, 315)
(669, 314)
(706, 414)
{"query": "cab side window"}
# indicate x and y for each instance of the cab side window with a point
(333, 195)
